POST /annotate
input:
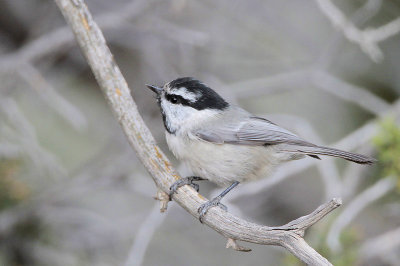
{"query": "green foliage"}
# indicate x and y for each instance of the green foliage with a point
(12, 191)
(16, 241)
(387, 143)
(348, 256)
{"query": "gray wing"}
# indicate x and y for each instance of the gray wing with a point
(252, 131)
(259, 132)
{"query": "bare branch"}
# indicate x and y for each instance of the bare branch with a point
(271, 84)
(367, 39)
(118, 95)
(143, 237)
(355, 139)
(327, 168)
(49, 95)
(22, 129)
(353, 175)
(381, 245)
(359, 17)
(8, 150)
(321, 79)
(231, 243)
(368, 196)
(384, 32)
(61, 39)
(163, 198)
(349, 92)
(306, 221)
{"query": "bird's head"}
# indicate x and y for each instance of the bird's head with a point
(184, 102)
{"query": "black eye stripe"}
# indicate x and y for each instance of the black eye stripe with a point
(206, 97)
(177, 99)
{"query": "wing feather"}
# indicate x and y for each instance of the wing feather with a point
(253, 131)
(258, 131)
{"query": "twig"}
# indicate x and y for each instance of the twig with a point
(364, 199)
(368, 39)
(26, 135)
(304, 222)
(327, 168)
(359, 17)
(61, 39)
(118, 95)
(8, 150)
(311, 77)
(349, 142)
(231, 243)
(381, 245)
(50, 96)
(349, 92)
(163, 198)
(353, 175)
(143, 237)
(354, 140)
(272, 84)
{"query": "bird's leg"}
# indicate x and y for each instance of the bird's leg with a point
(184, 181)
(215, 202)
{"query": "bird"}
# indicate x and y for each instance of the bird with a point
(225, 144)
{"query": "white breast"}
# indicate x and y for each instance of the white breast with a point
(224, 163)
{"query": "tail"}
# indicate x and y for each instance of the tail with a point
(314, 151)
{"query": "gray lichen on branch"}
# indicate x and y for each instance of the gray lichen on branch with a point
(117, 93)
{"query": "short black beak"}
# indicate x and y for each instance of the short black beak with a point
(154, 88)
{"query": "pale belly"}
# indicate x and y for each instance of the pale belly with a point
(225, 163)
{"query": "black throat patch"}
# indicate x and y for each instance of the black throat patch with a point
(164, 117)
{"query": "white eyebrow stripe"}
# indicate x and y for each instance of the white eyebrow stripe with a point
(182, 91)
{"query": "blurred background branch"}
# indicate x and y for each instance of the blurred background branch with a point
(70, 185)
(117, 93)
(367, 39)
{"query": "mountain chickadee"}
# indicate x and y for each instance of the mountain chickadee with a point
(224, 143)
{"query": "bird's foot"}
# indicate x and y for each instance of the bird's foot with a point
(203, 209)
(184, 181)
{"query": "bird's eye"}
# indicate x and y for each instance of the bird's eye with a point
(173, 99)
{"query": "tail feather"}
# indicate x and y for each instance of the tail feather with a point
(319, 150)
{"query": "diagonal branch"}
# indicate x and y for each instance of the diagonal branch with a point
(367, 39)
(360, 202)
(60, 39)
(117, 93)
(50, 96)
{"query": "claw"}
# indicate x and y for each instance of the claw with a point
(223, 206)
(184, 181)
(195, 186)
(174, 187)
(203, 209)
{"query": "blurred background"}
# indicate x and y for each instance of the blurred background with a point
(72, 191)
